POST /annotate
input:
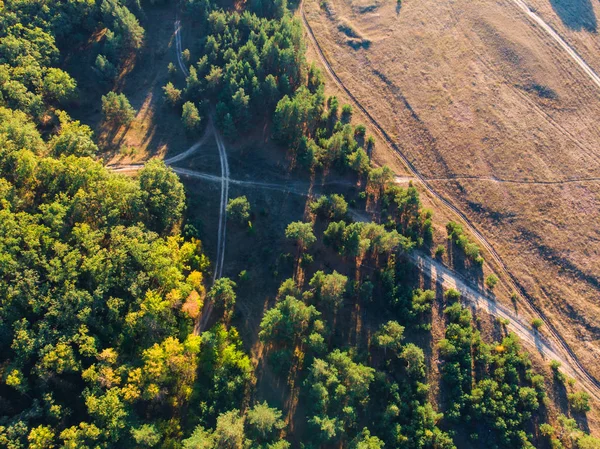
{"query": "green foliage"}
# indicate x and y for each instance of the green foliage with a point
(190, 117)
(338, 389)
(360, 239)
(264, 422)
(146, 435)
(471, 250)
(117, 109)
(329, 289)
(73, 138)
(248, 63)
(501, 395)
(124, 23)
(440, 250)
(537, 323)
(333, 207)
(289, 321)
(92, 317)
(222, 294)
(225, 372)
(58, 86)
(162, 195)
(173, 97)
(404, 205)
(105, 67)
(390, 336)
(302, 233)
(365, 441)
(238, 209)
(579, 401)
(491, 281)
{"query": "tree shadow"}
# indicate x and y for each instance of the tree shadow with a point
(576, 14)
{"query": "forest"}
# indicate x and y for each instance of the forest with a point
(104, 278)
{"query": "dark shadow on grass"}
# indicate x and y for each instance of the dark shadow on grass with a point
(578, 15)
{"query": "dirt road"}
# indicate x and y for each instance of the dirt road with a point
(223, 206)
(559, 40)
(179, 48)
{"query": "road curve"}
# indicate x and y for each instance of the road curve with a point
(589, 381)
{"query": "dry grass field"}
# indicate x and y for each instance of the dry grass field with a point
(501, 120)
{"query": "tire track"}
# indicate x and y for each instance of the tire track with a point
(559, 40)
(222, 234)
(179, 47)
(589, 382)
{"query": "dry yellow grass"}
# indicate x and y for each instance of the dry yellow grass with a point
(472, 89)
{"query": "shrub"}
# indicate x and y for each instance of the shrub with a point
(536, 323)
(440, 250)
(491, 281)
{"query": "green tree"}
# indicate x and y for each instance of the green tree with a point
(302, 233)
(329, 288)
(59, 86)
(364, 440)
(579, 401)
(117, 109)
(73, 138)
(146, 435)
(223, 294)
(163, 195)
(239, 209)
(173, 95)
(190, 117)
(289, 320)
(264, 421)
(390, 336)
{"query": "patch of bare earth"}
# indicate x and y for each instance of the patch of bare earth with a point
(473, 89)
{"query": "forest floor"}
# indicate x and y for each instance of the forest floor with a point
(500, 120)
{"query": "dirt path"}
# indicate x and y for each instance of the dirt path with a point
(591, 383)
(223, 206)
(191, 150)
(559, 40)
(179, 47)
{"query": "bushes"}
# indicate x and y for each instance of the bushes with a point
(471, 250)
(579, 401)
(491, 281)
(537, 323)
